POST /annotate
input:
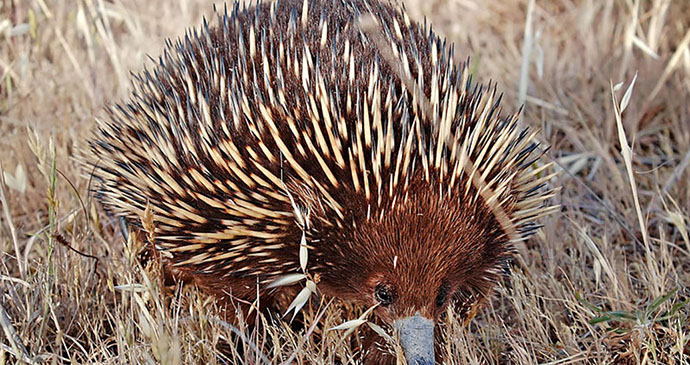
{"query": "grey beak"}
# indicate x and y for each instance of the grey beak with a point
(417, 339)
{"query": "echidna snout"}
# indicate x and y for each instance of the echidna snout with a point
(284, 126)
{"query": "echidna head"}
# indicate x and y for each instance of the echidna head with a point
(413, 257)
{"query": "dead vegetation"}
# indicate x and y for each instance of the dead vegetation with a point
(605, 281)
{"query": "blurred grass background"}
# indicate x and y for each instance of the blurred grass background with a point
(605, 281)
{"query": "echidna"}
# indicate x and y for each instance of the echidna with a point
(287, 122)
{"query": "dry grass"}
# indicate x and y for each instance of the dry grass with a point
(593, 284)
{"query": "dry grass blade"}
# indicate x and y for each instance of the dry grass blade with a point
(677, 172)
(10, 224)
(309, 332)
(670, 66)
(626, 152)
(601, 262)
(17, 347)
(241, 334)
(526, 53)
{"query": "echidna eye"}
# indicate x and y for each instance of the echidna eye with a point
(383, 294)
(442, 294)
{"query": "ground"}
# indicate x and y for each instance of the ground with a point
(604, 281)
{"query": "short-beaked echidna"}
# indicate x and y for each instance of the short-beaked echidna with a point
(287, 123)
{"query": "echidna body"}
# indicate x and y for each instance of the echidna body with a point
(285, 123)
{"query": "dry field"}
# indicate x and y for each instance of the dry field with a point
(605, 280)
